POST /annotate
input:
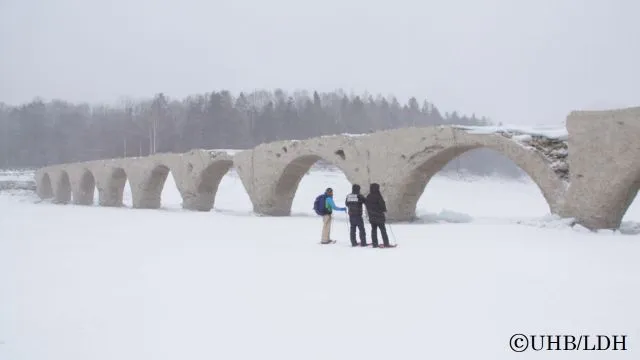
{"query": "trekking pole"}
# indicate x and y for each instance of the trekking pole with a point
(348, 224)
(392, 234)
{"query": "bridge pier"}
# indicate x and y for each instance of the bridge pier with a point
(604, 164)
(44, 189)
(61, 185)
(82, 185)
(197, 202)
(198, 174)
(110, 182)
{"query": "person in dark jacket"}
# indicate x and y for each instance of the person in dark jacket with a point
(354, 202)
(376, 207)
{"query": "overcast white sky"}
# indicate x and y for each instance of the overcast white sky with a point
(515, 61)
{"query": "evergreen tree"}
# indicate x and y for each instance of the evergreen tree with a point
(42, 133)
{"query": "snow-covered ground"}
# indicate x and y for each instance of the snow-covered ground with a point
(16, 175)
(102, 283)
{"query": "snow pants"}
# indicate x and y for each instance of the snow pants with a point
(383, 232)
(326, 227)
(357, 222)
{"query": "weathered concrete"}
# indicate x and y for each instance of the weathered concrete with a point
(271, 172)
(403, 161)
(604, 160)
(44, 189)
(196, 173)
(593, 176)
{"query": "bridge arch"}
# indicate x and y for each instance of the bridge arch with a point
(288, 179)
(45, 190)
(424, 164)
(271, 173)
(150, 190)
(112, 194)
(207, 183)
(87, 188)
(63, 188)
(156, 179)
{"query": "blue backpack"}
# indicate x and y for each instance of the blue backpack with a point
(319, 205)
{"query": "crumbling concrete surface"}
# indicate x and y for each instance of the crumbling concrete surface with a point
(590, 172)
(604, 158)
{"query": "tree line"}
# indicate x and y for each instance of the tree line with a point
(41, 133)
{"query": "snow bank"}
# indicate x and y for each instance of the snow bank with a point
(17, 185)
(522, 138)
(551, 132)
(17, 182)
(353, 135)
(228, 151)
(630, 228)
(548, 221)
(552, 221)
(17, 175)
(444, 216)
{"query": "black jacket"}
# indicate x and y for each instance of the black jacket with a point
(376, 207)
(354, 201)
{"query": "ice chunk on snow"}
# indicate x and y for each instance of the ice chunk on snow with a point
(581, 229)
(445, 216)
(454, 217)
(606, 231)
(549, 221)
(629, 228)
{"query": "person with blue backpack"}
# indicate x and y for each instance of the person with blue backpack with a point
(324, 206)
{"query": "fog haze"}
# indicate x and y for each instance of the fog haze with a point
(511, 61)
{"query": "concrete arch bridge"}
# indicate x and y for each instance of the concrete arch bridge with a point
(591, 172)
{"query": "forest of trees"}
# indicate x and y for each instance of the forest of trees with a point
(43, 133)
